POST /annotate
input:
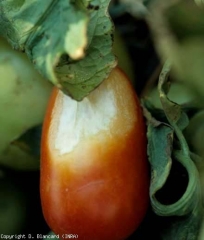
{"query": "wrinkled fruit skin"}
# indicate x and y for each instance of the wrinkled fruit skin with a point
(94, 173)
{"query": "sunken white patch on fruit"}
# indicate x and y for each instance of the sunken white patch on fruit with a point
(80, 120)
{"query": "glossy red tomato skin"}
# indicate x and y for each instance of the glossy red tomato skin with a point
(99, 190)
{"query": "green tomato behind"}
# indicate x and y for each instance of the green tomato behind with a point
(195, 133)
(23, 99)
(179, 93)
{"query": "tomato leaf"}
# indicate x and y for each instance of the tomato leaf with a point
(83, 76)
(70, 42)
(160, 140)
(172, 110)
(167, 146)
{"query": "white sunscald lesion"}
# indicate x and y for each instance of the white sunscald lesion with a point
(80, 120)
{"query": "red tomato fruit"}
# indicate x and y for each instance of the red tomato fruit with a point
(94, 170)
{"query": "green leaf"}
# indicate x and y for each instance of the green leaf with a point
(34, 26)
(160, 139)
(172, 110)
(81, 77)
(167, 146)
(70, 42)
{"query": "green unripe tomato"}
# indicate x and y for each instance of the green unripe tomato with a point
(178, 93)
(194, 133)
(23, 100)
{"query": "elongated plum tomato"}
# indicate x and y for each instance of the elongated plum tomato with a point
(94, 174)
